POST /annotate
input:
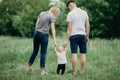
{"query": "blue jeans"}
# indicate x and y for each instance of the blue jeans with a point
(40, 40)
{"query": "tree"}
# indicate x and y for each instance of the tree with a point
(103, 15)
(8, 8)
(18, 17)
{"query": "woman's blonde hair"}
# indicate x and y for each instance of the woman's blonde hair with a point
(55, 11)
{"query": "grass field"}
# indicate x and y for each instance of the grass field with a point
(103, 60)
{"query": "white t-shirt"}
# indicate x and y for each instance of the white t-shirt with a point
(61, 57)
(78, 17)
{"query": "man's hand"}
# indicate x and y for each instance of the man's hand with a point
(87, 38)
(65, 44)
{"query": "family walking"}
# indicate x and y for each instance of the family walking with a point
(77, 33)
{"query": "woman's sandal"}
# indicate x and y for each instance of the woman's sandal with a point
(29, 68)
(44, 73)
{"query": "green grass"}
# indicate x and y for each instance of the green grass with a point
(103, 60)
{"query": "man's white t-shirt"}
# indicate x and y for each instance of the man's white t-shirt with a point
(61, 57)
(78, 18)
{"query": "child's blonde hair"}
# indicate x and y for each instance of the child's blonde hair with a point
(55, 11)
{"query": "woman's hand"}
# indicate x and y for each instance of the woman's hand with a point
(55, 44)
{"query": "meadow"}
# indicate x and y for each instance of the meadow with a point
(103, 60)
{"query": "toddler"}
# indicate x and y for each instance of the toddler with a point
(61, 57)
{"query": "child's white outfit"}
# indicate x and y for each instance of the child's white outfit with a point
(61, 57)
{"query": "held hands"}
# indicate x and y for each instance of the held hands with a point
(65, 44)
(55, 44)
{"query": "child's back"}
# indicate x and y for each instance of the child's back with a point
(61, 57)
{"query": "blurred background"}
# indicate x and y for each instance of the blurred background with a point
(18, 17)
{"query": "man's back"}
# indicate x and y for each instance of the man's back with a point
(78, 18)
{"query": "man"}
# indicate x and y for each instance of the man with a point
(78, 34)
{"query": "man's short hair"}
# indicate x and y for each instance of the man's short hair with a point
(69, 2)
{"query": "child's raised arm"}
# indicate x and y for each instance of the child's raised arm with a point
(55, 49)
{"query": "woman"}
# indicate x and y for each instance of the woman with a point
(45, 20)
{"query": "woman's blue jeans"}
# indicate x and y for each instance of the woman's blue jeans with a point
(40, 41)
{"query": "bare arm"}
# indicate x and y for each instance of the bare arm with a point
(55, 49)
(37, 23)
(87, 24)
(69, 30)
(53, 32)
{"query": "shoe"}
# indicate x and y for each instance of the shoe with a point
(29, 68)
(43, 72)
(74, 73)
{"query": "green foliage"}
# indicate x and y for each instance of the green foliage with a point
(104, 17)
(25, 20)
(18, 17)
(8, 8)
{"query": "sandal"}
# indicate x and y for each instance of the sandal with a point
(44, 72)
(29, 68)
